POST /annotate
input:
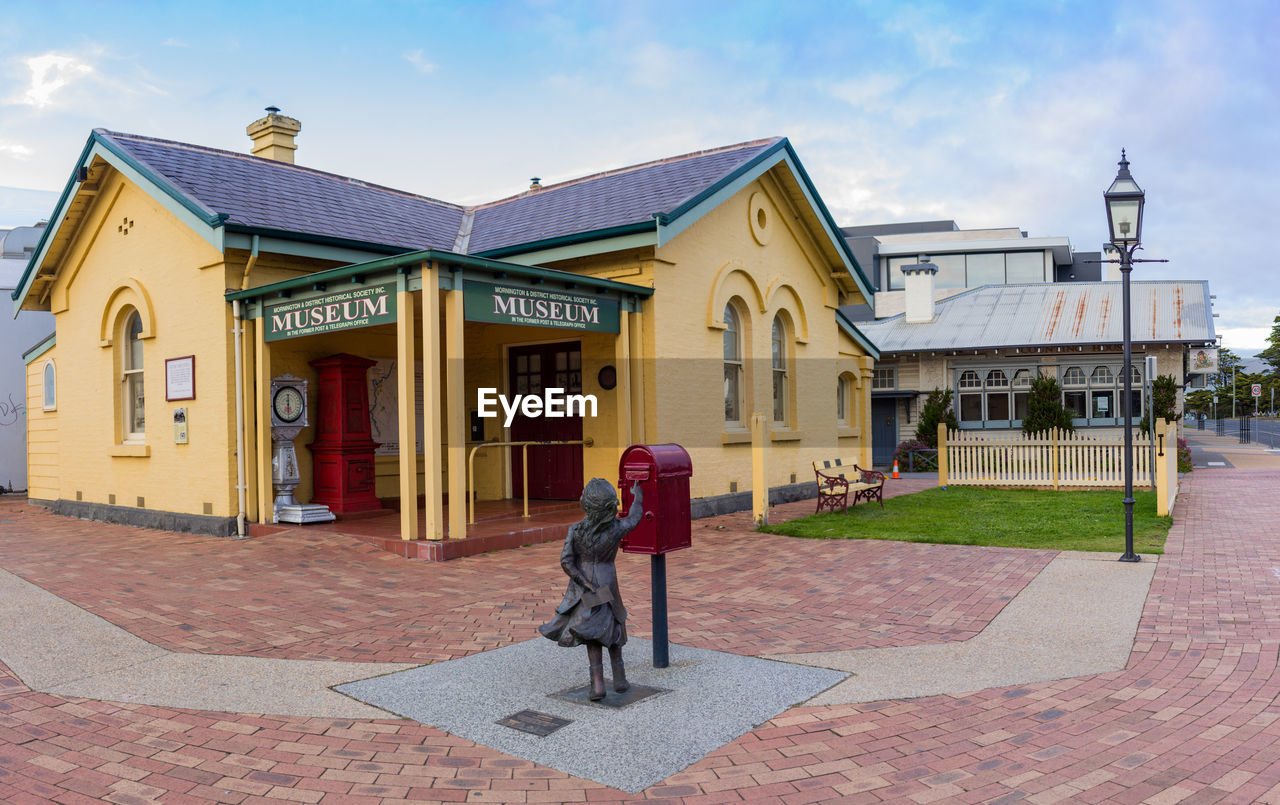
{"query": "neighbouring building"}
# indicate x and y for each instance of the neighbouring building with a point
(17, 334)
(982, 312)
(190, 286)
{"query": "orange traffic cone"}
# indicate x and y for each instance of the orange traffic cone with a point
(895, 469)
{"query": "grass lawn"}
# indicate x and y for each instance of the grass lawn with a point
(1012, 518)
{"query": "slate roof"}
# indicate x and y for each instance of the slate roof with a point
(1054, 314)
(264, 194)
(616, 198)
(261, 193)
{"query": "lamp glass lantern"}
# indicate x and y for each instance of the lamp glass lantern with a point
(1124, 207)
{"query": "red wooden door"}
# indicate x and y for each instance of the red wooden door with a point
(555, 473)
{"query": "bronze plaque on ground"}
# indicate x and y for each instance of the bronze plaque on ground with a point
(533, 722)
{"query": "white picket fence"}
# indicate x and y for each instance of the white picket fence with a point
(1052, 458)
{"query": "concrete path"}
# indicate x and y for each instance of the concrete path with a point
(1210, 451)
(56, 647)
(1079, 616)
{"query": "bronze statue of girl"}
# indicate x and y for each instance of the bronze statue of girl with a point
(592, 610)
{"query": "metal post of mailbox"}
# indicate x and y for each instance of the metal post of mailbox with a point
(658, 583)
(664, 469)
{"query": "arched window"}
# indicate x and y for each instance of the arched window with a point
(780, 387)
(997, 396)
(1103, 394)
(50, 387)
(733, 375)
(1074, 376)
(132, 401)
(970, 404)
(1021, 393)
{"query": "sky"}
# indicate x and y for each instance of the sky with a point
(989, 114)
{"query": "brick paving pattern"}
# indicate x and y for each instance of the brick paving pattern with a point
(1193, 719)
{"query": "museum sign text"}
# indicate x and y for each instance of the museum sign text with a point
(344, 310)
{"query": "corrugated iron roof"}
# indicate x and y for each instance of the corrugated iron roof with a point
(1054, 314)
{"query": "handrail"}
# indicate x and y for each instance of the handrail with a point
(524, 462)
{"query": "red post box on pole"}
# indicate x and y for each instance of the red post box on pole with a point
(663, 471)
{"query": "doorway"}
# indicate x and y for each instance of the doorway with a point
(555, 472)
(884, 431)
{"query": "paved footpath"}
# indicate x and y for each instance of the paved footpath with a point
(1193, 718)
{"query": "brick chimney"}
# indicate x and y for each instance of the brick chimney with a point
(273, 136)
(918, 283)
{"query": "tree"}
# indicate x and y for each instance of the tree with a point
(1164, 397)
(1271, 354)
(937, 408)
(1044, 407)
(1200, 401)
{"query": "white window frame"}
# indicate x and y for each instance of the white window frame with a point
(49, 386)
(780, 374)
(131, 377)
(733, 366)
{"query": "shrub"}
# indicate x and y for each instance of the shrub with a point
(1184, 456)
(1045, 410)
(936, 408)
(922, 463)
(1164, 393)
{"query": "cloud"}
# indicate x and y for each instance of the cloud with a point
(14, 149)
(50, 72)
(1245, 340)
(416, 58)
(175, 43)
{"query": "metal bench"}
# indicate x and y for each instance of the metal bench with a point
(835, 484)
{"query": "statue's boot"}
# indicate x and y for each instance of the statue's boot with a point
(620, 683)
(595, 656)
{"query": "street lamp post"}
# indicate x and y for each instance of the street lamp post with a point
(1124, 224)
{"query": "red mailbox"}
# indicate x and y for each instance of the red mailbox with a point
(663, 471)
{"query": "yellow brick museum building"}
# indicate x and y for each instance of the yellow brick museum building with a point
(208, 305)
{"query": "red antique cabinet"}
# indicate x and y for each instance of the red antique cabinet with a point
(342, 453)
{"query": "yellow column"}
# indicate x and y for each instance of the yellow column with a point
(251, 418)
(405, 416)
(456, 433)
(262, 413)
(433, 481)
(759, 478)
(1160, 471)
(942, 454)
(636, 374)
(622, 394)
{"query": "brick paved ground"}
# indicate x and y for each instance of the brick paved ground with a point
(1193, 719)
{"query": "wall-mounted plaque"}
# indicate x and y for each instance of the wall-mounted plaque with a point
(180, 378)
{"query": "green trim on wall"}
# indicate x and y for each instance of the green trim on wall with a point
(372, 268)
(568, 240)
(291, 244)
(638, 240)
(857, 335)
(44, 346)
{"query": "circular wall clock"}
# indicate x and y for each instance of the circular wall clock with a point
(288, 404)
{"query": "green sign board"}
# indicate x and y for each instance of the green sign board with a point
(512, 304)
(344, 310)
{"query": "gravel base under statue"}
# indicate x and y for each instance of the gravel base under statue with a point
(592, 612)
